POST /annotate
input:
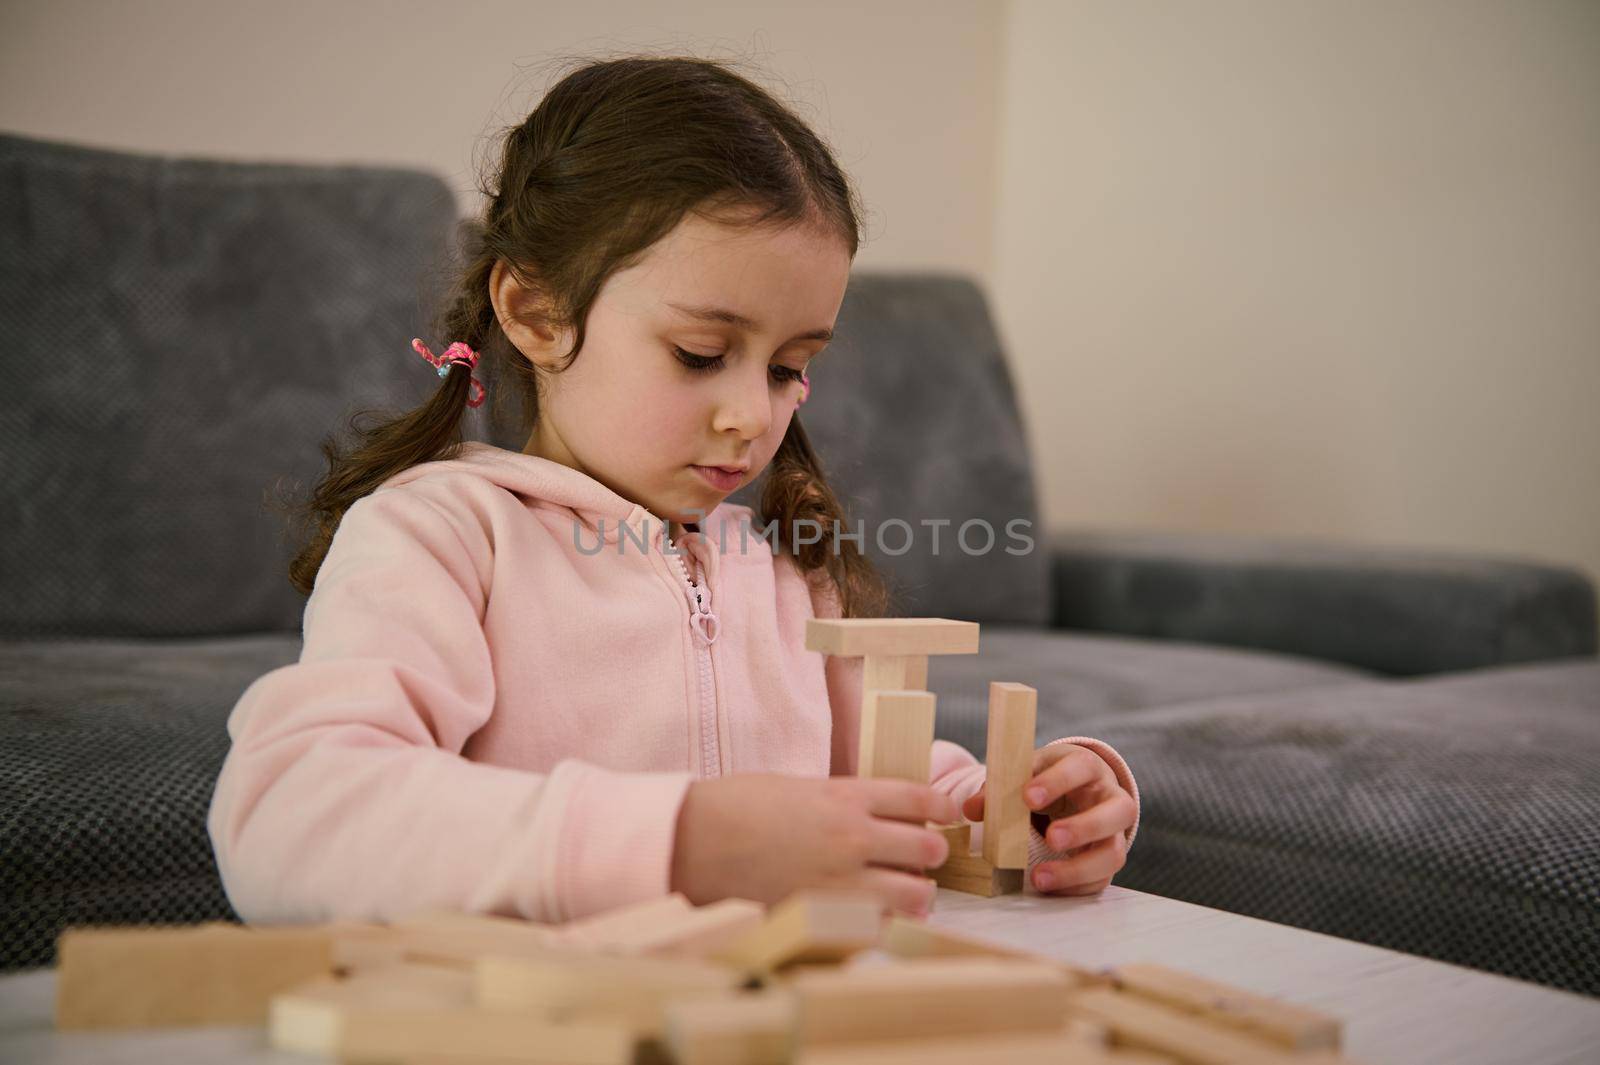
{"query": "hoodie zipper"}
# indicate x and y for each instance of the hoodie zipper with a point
(705, 624)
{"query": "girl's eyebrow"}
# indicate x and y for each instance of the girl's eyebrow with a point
(722, 314)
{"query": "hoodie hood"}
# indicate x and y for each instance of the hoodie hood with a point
(538, 478)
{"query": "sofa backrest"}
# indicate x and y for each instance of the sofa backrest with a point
(178, 335)
(181, 335)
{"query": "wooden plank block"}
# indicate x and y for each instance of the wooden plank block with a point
(453, 939)
(213, 973)
(1013, 714)
(959, 837)
(408, 1010)
(928, 997)
(622, 926)
(905, 937)
(745, 1029)
(971, 873)
(896, 738)
(703, 931)
(891, 636)
(309, 1016)
(975, 876)
(574, 985)
(809, 926)
(894, 672)
(1025, 1048)
(1288, 1025)
(379, 1036)
(1141, 1023)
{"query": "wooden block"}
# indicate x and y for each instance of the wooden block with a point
(809, 926)
(745, 1029)
(971, 873)
(1025, 1048)
(577, 986)
(360, 945)
(1280, 1022)
(409, 1010)
(894, 673)
(623, 926)
(473, 922)
(928, 997)
(959, 837)
(703, 931)
(381, 1036)
(891, 636)
(214, 973)
(1141, 1023)
(309, 1016)
(458, 940)
(1013, 714)
(896, 735)
(904, 937)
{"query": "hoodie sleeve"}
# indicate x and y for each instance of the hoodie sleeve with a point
(345, 793)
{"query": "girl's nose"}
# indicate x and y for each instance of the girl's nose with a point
(746, 406)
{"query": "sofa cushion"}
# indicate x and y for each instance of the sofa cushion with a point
(1085, 676)
(1456, 817)
(179, 334)
(109, 753)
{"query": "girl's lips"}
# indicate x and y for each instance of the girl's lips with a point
(718, 478)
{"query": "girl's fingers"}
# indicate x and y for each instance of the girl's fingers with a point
(1109, 818)
(1078, 767)
(906, 800)
(906, 892)
(1099, 861)
(906, 846)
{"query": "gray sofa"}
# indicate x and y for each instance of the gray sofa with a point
(1399, 747)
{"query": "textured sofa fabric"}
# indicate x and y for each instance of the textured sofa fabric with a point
(228, 316)
(1401, 612)
(109, 752)
(1456, 817)
(179, 334)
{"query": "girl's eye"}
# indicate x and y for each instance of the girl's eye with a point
(707, 363)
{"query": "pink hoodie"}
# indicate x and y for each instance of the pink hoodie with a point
(503, 696)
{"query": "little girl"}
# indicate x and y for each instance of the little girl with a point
(552, 682)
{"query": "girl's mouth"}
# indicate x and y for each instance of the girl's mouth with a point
(721, 479)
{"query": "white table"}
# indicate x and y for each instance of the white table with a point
(1398, 1009)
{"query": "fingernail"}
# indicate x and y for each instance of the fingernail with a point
(1035, 796)
(1043, 880)
(1060, 838)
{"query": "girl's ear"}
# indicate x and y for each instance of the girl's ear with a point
(518, 310)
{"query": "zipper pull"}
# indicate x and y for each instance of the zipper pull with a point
(703, 620)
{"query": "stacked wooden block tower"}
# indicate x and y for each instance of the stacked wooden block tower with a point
(822, 978)
(897, 727)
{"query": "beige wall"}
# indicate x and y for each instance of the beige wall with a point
(903, 89)
(1325, 269)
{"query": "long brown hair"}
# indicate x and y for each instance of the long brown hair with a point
(615, 155)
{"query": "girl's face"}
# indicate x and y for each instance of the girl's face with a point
(647, 420)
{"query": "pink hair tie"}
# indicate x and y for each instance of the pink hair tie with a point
(455, 353)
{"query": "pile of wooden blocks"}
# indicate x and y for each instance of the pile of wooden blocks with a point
(823, 978)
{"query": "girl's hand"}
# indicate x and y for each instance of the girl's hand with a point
(763, 836)
(1077, 786)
